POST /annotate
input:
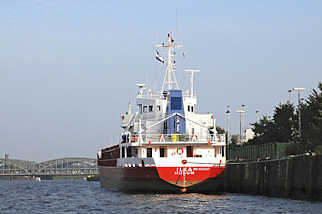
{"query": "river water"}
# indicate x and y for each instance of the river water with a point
(81, 196)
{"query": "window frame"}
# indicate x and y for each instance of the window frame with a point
(145, 109)
(148, 152)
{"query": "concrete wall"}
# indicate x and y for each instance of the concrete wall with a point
(298, 177)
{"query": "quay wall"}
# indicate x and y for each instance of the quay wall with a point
(297, 177)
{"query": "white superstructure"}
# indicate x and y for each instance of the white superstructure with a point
(165, 144)
(149, 125)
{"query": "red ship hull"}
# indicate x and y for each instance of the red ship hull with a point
(162, 179)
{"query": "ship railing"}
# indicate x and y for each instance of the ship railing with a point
(221, 137)
(160, 96)
(166, 138)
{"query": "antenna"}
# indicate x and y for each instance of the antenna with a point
(170, 77)
(177, 32)
(191, 79)
(129, 110)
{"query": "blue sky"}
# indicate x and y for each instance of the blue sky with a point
(69, 68)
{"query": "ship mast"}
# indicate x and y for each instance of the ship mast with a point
(191, 80)
(170, 79)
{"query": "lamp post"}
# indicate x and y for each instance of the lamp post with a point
(289, 96)
(227, 123)
(243, 121)
(240, 123)
(257, 112)
(299, 105)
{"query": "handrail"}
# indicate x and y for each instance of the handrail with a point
(166, 138)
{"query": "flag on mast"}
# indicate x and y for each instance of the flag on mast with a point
(158, 57)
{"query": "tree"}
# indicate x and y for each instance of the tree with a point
(220, 130)
(311, 119)
(263, 131)
(278, 129)
(234, 139)
(283, 127)
(284, 120)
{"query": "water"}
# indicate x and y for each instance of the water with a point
(81, 196)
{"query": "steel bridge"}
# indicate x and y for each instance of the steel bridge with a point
(57, 167)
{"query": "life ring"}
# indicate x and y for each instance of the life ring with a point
(179, 151)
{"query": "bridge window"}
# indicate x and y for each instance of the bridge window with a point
(158, 108)
(163, 152)
(191, 108)
(189, 151)
(149, 152)
(135, 152)
(129, 152)
(145, 108)
(150, 108)
(176, 103)
(188, 108)
(123, 152)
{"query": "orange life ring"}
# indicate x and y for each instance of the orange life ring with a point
(180, 151)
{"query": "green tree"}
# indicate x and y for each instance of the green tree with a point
(311, 118)
(284, 120)
(283, 127)
(263, 131)
(280, 128)
(234, 139)
(220, 130)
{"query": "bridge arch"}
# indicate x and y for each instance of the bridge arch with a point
(63, 162)
(62, 166)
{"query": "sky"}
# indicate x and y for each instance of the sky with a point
(68, 68)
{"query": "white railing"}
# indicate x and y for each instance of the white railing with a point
(160, 96)
(166, 138)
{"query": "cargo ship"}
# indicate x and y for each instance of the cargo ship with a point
(165, 144)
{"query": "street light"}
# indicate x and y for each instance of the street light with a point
(299, 104)
(289, 96)
(243, 120)
(240, 123)
(257, 112)
(227, 123)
